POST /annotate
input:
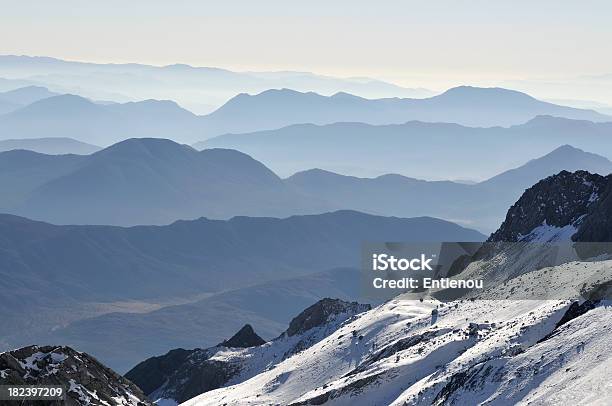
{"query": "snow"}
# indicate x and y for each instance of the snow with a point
(470, 352)
(80, 391)
(252, 361)
(30, 362)
(166, 402)
(547, 233)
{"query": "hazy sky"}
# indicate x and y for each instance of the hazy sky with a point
(405, 41)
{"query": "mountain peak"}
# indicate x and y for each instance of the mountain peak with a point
(472, 92)
(561, 201)
(346, 96)
(135, 147)
(153, 107)
(570, 152)
(62, 101)
(321, 313)
(244, 338)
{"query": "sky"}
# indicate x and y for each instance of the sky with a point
(408, 42)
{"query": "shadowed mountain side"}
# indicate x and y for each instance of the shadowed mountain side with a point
(146, 181)
(418, 149)
(482, 205)
(22, 172)
(52, 275)
(267, 307)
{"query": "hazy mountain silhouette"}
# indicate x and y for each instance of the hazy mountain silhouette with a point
(22, 172)
(470, 106)
(417, 149)
(48, 271)
(101, 124)
(145, 181)
(157, 181)
(52, 146)
(481, 205)
(201, 89)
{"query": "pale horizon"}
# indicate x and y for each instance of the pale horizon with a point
(411, 44)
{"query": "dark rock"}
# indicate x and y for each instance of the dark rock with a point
(321, 312)
(560, 200)
(152, 373)
(86, 381)
(244, 338)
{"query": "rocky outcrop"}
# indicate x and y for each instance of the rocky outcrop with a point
(85, 380)
(183, 374)
(244, 338)
(321, 312)
(576, 199)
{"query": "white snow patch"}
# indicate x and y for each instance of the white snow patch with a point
(547, 233)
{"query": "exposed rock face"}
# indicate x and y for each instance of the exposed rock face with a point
(578, 199)
(183, 374)
(320, 313)
(244, 338)
(152, 373)
(86, 381)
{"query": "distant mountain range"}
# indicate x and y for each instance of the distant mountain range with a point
(103, 124)
(99, 124)
(201, 89)
(480, 205)
(465, 105)
(48, 271)
(145, 181)
(50, 146)
(157, 181)
(416, 149)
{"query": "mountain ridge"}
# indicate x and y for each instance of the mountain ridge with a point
(471, 153)
(492, 196)
(268, 110)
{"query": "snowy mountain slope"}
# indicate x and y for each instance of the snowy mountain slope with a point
(497, 348)
(570, 366)
(87, 382)
(402, 352)
(182, 374)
